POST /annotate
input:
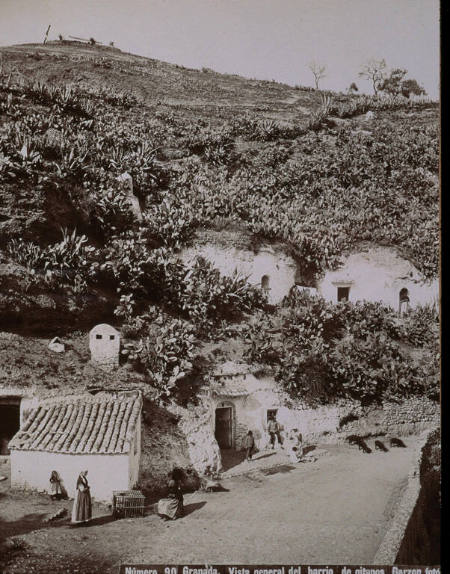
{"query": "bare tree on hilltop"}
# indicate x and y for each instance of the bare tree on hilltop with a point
(375, 72)
(318, 72)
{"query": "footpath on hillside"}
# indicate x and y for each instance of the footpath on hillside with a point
(333, 510)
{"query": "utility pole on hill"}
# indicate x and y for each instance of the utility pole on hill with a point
(46, 34)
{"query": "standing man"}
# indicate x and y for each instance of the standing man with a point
(249, 443)
(274, 431)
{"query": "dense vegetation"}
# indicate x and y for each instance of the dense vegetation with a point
(319, 183)
(322, 351)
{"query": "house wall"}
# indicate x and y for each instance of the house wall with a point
(379, 275)
(32, 469)
(280, 268)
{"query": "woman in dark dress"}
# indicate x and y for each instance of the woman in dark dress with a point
(82, 506)
(171, 507)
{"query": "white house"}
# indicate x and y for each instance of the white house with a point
(242, 400)
(104, 344)
(379, 274)
(99, 433)
(269, 267)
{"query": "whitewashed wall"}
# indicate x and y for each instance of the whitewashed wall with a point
(280, 268)
(105, 351)
(379, 275)
(32, 469)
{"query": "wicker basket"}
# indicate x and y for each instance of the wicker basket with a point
(128, 503)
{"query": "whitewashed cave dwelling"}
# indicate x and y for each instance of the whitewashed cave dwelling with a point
(268, 266)
(379, 274)
(243, 398)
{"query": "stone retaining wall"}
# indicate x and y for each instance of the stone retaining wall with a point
(389, 548)
(421, 542)
(411, 416)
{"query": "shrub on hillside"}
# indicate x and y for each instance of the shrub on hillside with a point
(419, 326)
(71, 261)
(168, 355)
(324, 351)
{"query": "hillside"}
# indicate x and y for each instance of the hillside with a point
(313, 171)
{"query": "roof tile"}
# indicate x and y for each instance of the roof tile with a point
(101, 423)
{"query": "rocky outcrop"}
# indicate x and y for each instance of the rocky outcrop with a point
(204, 451)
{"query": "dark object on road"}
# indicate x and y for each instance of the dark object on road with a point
(360, 442)
(380, 446)
(59, 514)
(397, 442)
(362, 445)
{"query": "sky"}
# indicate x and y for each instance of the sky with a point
(264, 39)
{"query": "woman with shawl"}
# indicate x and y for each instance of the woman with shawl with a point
(82, 506)
(171, 507)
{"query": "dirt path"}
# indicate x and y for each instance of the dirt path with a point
(335, 510)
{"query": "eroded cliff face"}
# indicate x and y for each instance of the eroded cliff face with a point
(204, 452)
(421, 543)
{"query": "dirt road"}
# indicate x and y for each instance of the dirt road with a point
(335, 510)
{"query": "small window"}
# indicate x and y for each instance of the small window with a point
(111, 337)
(403, 301)
(265, 279)
(98, 336)
(343, 293)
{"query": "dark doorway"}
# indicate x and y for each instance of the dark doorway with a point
(224, 427)
(343, 293)
(403, 301)
(9, 423)
(265, 283)
(271, 414)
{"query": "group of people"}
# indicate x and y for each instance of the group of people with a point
(171, 506)
(294, 441)
(82, 504)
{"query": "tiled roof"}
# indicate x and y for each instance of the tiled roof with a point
(230, 368)
(104, 423)
(239, 385)
(231, 389)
